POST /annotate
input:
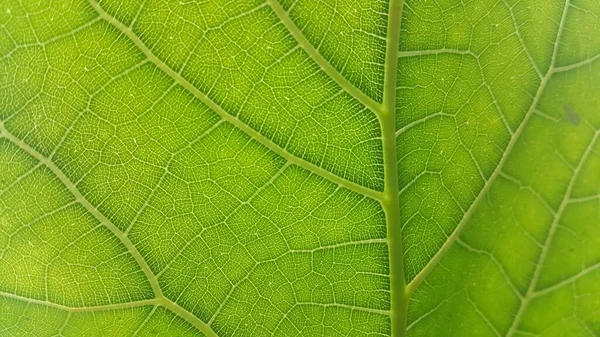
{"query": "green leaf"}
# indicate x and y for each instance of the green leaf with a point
(300, 168)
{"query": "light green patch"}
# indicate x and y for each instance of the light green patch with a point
(48, 233)
(19, 318)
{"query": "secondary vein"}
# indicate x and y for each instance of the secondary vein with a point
(159, 299)
(228, 117)
(321, 61)
(549, 238)
(482, 194)
(87, 205)
(117, 306)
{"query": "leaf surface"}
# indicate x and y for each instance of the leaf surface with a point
(299, 168)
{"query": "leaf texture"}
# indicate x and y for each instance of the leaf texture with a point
(299, 168)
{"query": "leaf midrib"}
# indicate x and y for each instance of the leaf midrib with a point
(398, 295)
(384, 111)
(389, 197)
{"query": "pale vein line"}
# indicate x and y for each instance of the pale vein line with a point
(80, 309)
(43, 44)
(577, 64)
(191, 241)
(436, 52)
(236, 285)
(518, 32)
(564, 202)
(467, 216)
(485, 83)
(139, 328)
(87, 205)
(229, 118)
(421, 121)
(188, 316)
(163, 301)
(567, 281)
(480, 313)
(494, 261)
(164, 175)
(67, 319)
(482, 194)
(340, 245)
(346, 306)
(584, 199)
(428, 313)
(542, 259)
(528, 189)
(321, 61)
(546, 116)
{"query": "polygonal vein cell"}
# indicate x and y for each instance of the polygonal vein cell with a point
(464, 128)
(525, 259)
(170, 165)
(278, 91)
(53, 249)
(183, 186)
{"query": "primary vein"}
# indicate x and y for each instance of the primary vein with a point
(399, 298)
(117, 306)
